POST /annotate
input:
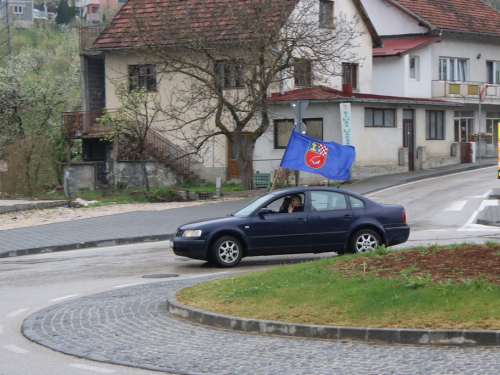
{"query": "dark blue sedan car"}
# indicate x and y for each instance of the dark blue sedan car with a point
(322, 220)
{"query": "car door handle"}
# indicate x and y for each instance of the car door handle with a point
(347, 217)
(301, 220)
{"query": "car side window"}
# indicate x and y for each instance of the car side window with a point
(356, 203)
(280, 205)
(327, 201)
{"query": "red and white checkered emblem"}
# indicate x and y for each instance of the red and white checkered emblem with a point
(322, 149)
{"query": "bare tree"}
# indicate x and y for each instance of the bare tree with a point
(231, 55)
(134, 119)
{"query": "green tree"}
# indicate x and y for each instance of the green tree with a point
(34, 89)
(65, 13)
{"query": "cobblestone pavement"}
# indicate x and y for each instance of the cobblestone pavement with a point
(131, 327)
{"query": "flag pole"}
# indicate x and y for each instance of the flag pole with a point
(276, 178)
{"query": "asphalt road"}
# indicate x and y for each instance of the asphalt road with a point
(98, 304)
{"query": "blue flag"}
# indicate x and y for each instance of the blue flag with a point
(329, 159)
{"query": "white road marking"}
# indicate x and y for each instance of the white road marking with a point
(15, 349)
(65, 297)
(123, 286)
(420, 181)
(93, 368)
(481, 196)
(456, 206)
(17, 312)
(469, 226)
(488, 202)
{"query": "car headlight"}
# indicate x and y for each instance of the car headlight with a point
(192, 233)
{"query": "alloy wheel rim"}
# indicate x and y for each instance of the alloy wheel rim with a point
(366, 243)
(228, 252)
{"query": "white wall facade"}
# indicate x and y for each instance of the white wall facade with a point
(363, 51)
(379, 150)
(214, 160)
(388, 20)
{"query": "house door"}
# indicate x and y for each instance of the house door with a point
(232, 166)
(463, 130)
(409, 137)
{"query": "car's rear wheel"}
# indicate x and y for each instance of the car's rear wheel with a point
(227, 251)
(365, 241)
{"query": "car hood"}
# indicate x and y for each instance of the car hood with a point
(208, 222)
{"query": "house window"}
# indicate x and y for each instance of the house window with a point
(325, 13)
(414, 67)
(452, 69)
(434, 124)
(384, 117)
(350, 74)
(230, 73)
(283, 129)
(18, 9)
(493, 71)
(302, 72)
(142, 77)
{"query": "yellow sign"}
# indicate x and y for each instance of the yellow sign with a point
(498, 136)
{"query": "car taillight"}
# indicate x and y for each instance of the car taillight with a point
(403, 215)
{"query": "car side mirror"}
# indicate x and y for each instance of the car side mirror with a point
(265, 211)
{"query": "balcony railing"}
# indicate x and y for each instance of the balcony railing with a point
(464, 90)
(168, 153)
(88, 35)
(83, 123)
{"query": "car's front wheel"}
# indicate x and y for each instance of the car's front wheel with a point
(227, 251)
(365, 241)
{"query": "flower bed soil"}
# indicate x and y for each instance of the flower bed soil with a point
(474, 262)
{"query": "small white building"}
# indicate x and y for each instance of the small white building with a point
(447, 50)
(20, 12)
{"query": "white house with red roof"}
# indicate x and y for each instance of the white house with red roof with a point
(397, 130)
(446, 50)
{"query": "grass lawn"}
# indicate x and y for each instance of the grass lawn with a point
(432, 288)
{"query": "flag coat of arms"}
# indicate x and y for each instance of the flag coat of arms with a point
(329, 159)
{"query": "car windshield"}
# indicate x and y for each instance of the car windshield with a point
(252, 206)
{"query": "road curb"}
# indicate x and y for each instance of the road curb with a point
(88, 244)
(31, 206)
(462, 338)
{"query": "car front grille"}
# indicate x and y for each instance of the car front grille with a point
(179, 233)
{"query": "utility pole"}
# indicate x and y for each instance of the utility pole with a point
(8, 41)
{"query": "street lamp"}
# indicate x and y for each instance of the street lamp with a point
(482, 95)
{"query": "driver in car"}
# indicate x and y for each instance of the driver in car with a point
(295, 204)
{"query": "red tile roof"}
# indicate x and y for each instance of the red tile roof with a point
(165, 22)
(461, 15)
(404, 45)
(323, 93)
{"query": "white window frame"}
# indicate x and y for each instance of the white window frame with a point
(453, 69)
(414, 66)
(18, 9)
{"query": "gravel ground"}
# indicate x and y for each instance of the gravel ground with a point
(20, 219)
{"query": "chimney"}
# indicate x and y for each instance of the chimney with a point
(347, 88)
